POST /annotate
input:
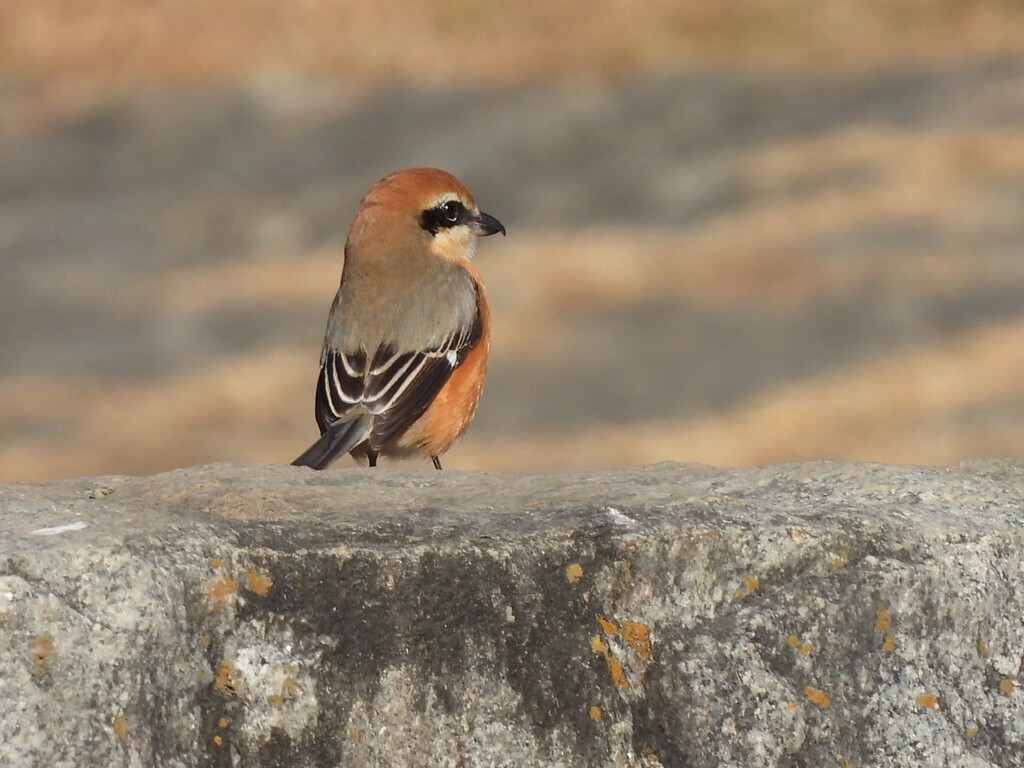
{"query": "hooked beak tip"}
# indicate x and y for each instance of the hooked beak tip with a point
(488, 225)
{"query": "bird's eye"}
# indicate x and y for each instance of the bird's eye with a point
(445, 215)
(450, 211)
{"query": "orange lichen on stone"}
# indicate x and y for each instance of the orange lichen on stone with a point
(1007, 686)
(618, 675)
(883, 619)
(42, 655)
(218, 740)
(121, 727)
(595, 714)
(983, 648)
(289, 688)
(840, 560)
(258, 583)
(205, 641)
(216, 562)
(929, 701)
(637, 637)
(817, 697)
(223, 723)
(889, 643)
(971, 733)
(748, 587)
(219, 591)
(573, 572)
(802, 649)
(226, 680)
(790, 706)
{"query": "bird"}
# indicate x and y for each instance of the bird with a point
(405, 353)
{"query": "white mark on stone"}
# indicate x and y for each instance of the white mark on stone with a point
(75, 526)
(618, 518)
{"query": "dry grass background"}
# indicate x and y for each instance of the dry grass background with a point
(73, 54)
(957, 394)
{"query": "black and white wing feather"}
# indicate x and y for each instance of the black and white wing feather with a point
(360, 397)
(395, 388)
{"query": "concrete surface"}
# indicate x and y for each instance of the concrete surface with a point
(667, 615)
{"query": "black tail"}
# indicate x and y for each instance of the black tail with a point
(338, 440)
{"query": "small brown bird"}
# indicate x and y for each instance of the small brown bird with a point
(405, 353)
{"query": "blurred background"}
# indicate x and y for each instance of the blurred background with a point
(744, 232)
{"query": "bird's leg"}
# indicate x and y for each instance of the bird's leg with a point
(372, 458)
(437, 462)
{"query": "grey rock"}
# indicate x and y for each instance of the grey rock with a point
(669, 615)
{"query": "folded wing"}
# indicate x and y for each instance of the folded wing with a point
(392, 387)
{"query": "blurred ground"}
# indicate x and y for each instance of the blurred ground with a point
(785, 231)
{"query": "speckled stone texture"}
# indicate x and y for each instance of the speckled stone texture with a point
(670, 615)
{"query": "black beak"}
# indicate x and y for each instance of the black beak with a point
(488, 225)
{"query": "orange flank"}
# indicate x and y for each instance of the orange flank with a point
(454, 406)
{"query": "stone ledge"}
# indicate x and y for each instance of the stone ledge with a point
(670, 615)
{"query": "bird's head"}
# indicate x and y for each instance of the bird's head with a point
(423, 207)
